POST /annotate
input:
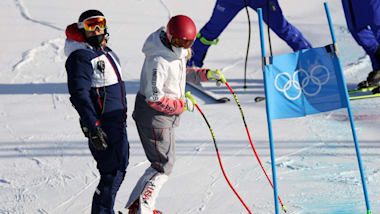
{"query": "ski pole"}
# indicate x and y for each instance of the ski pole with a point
(188, 95)
(223, 80)
(249, 42)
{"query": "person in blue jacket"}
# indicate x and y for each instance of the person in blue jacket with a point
(363, 22)
(98, 94)
(226, 10)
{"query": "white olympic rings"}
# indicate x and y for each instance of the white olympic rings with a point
(305, 82)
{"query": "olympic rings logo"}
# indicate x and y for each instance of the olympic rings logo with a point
(302, 87)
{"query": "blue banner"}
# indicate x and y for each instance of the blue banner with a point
(304, 82)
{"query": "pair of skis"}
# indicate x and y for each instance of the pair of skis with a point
(368, 93)
(207, 93)
(357, 94)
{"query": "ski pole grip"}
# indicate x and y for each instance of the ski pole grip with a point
(188, 95)
(221, 75)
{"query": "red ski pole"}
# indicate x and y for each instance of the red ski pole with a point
(188, 95)
(249, 136)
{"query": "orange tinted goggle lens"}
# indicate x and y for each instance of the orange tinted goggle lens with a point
(91, 24)
(182, 42)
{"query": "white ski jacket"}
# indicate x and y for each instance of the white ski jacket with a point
(163, 75)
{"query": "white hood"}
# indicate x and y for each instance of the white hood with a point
(154, 47)
(71, 46)
(163, 72)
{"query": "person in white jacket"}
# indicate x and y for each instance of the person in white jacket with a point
(159, 103)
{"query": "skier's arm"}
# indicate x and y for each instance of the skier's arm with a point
(193, 75)
(196, 75)
(168, 105)
(79, 73)
(155, 95)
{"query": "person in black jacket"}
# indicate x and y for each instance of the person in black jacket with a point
(98, 94)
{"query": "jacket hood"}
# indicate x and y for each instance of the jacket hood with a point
(153, 46)
(71, 46)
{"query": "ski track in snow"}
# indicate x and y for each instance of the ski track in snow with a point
(25, 14)
(30, 56)
(166, 8)
(207, 194)
(70, 200)
(50, 175)
(229, 67)
(55, 177)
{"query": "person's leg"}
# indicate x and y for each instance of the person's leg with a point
(224, 11)
(159, 147)
(137, 190)
(277, 22)
(111, 164)
(105, 194)
(366, 39)
(374, 10)
(357, 23)
(151, 189)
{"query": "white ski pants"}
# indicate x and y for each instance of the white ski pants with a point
(146, 190)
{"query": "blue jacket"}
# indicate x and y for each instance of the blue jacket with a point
(99, 97)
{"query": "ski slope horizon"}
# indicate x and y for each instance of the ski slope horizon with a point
(46, 166)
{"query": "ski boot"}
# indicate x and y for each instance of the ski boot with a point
(157, 212)
(376, 90)
(373, 79)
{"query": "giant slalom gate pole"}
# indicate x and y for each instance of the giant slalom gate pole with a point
(188, 95)
(350, 114)
(271, 146)
(223, 80)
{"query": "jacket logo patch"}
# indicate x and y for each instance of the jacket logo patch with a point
(154, 84)
(101, 66)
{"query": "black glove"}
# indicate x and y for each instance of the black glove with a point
(98, 138)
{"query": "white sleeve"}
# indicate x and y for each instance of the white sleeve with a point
(155, 77)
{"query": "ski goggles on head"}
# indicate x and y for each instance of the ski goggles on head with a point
(178, 42)
(90, 24)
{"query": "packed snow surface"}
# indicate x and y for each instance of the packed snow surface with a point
(46, 166)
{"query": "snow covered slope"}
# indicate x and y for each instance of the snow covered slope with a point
(46, 166)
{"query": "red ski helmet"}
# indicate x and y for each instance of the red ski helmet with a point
(181, 31)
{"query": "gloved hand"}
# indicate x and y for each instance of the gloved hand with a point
(98, 138)
(216, 75)
(188, 105)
